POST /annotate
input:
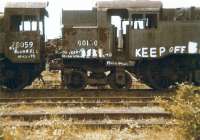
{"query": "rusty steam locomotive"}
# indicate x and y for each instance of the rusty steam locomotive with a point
(22, 47)
(159, 46)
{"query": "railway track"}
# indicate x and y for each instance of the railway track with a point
(85, 93)
(100, 105)
(90, 115)
(85, 104)
(81, 101)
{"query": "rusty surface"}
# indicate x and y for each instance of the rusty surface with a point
(26, 5)
(30, 93)
(180, 14)
(2, 41)
(130, 4)
(103, 36)
(90, 115)
(1, 23)
(183, 33)
(15, 38)
(23, 37)
(83, 104)
(90, 101)
(79, 18)
(81, 99)
(94, 38)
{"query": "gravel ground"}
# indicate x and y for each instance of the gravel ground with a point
(57, 132)
(65, 123)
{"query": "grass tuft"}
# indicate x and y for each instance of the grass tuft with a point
(185, 107)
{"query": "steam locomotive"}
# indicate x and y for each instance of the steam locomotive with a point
(22, 48)
(159, 46)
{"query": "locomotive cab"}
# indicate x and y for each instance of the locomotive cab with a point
(22, 44)
(25, 33)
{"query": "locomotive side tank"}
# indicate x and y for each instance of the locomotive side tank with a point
(21, 44)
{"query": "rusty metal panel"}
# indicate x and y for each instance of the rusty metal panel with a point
(102, 19)
(2, 41)
(23, 47)
(22, 11)
(180, 14)
(169, 38)
(195, 12)
(39, 5)
(133, 5)
(78, 41)
(168, 14)
(1, 24)
(79, 18)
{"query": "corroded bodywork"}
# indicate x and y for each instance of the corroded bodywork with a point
(87, 42)
(168, 39)
(145, 41)
(22, 44)
(2, 35)
(83, 38)
(173, 35)
(23, 47)
(2, 43)
(24, 25)
(151, 32)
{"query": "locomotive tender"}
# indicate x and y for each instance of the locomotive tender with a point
(159, 46)
(22, 46)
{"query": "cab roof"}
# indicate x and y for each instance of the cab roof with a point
(132, 4)
(34, 5)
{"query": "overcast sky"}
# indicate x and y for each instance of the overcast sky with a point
(53, 23)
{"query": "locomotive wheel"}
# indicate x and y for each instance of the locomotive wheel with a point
(155, 78)
(128, 81)
(77, 81)
(196, 78)
(20, 81)
(114, 85)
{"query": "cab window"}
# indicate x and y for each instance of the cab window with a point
(144, 21)
(16, 23)
(30, 23)
(25, 23)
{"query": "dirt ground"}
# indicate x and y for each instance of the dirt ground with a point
(59, 132)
